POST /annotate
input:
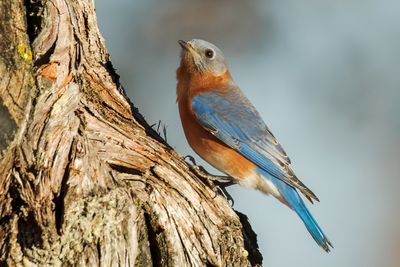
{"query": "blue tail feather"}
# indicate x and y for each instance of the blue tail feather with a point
(296, 203)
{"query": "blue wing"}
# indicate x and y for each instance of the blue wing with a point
(231, 117)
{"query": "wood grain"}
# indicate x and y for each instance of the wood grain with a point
(84, 180)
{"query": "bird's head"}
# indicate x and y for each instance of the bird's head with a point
(201, 57)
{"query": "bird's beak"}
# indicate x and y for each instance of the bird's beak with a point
(188, 47)
(183, 44)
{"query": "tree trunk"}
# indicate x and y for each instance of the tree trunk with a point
(84, 180)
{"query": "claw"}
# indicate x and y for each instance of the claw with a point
(190, 158)
(225, 194)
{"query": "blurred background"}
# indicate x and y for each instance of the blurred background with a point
(325, 76)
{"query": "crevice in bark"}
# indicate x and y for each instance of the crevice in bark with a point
(152, 237)
(145, 257)
(45, 58)
(59, 200)
(34, 9)
(29, 231)
(98, 247)
(17, 202)
(7, 128)
(5, 220)
(86, 23)
(125, 169)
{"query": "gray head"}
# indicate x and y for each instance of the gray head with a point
(202, 56)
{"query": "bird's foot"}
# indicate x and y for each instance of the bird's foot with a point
(221, 187)
(217, 182)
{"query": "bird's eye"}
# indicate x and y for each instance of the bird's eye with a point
(209, 53)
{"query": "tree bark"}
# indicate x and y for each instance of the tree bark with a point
(84, 180)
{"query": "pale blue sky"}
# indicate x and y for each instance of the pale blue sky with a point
(325, 76)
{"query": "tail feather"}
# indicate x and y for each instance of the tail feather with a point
(311, 225)
(294, 201)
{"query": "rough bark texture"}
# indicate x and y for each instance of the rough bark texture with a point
(83, 179)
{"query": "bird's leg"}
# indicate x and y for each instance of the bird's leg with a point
(220, 182)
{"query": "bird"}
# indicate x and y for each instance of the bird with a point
(223, 127)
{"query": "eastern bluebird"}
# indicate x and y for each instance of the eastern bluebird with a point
(224, 128)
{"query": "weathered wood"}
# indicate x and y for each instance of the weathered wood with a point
(83, 179)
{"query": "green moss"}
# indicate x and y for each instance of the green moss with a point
(138, 203)
(25, 52)
(138, 261)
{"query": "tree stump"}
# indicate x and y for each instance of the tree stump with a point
(84, 180)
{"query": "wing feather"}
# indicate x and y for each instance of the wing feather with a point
(231, 117)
